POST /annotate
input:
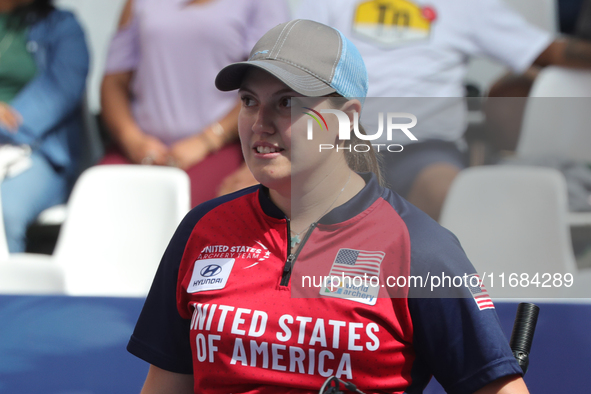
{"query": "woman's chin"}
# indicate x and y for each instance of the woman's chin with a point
(273, 179)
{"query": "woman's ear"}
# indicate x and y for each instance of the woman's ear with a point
(350, 108)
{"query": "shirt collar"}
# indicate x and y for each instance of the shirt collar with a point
(359, 203)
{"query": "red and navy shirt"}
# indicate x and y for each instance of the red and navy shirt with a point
(226, 307)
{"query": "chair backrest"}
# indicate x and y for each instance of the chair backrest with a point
(557, 116)
(120, 219)
(31, 276)
(556, 81)
(512, 219)
(99, 19)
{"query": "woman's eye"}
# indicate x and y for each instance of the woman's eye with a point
(285, 102)
(247, 101)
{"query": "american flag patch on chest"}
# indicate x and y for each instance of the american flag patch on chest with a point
(354, 275)
(352, 262)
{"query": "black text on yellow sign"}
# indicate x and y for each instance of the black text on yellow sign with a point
(393, 22)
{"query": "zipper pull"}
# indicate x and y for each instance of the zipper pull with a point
(287, 269)
(288, 264)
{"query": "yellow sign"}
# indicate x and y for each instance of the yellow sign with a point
(393, 22)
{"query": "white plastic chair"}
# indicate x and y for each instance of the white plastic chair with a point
(557, 116)
(556, 81)
(120, 220)
(512, 219)
(556, 121)
(31, 276)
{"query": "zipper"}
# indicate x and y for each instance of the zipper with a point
(291, 258)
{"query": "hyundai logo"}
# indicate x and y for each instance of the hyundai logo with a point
(211, 270)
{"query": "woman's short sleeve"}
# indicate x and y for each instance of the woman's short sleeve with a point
(161, 335)
(456, 332)
(497, 31)
(124, 50)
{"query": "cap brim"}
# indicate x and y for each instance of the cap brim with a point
(230, 77)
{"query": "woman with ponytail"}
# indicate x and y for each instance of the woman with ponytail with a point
(279, 286)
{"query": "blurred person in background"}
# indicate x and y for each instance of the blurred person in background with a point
(43, 68)
(159, 100)
(505, 117)
(420, 49)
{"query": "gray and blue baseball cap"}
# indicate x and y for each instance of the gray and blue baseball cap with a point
(311, 58)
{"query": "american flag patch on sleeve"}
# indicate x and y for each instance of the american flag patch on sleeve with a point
(479, 292)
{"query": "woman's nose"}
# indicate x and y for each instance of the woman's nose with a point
(263, 121)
